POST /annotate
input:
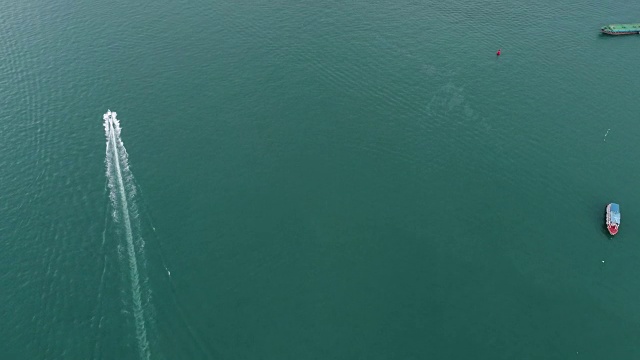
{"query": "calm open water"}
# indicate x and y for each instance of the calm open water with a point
(318, 180)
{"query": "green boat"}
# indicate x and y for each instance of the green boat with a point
(621, 29)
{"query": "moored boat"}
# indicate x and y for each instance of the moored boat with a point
(613, 218)
(621, 29)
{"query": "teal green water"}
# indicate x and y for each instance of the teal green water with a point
(310, 180)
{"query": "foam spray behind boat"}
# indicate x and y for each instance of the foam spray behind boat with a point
(125, 214)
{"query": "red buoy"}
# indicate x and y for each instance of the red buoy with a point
(499, 51)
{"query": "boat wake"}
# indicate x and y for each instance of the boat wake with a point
(125, 214)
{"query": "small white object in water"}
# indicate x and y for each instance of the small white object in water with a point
(603, 261)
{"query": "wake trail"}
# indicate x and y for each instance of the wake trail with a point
(97, 320)
(147, 213)
(113, 131)
(174, 292)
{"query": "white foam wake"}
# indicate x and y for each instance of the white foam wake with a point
(122, 197)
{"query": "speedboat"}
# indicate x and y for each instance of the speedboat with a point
(109, 115)
(613, 218)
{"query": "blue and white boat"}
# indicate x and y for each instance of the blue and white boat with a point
(613, 218)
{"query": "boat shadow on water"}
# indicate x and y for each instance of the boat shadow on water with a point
(605, 232)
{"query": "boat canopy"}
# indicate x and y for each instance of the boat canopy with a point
(615, 213)
(621, 28)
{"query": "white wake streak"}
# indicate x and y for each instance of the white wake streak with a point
(112, 129)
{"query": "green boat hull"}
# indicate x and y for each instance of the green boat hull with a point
(621, 29)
